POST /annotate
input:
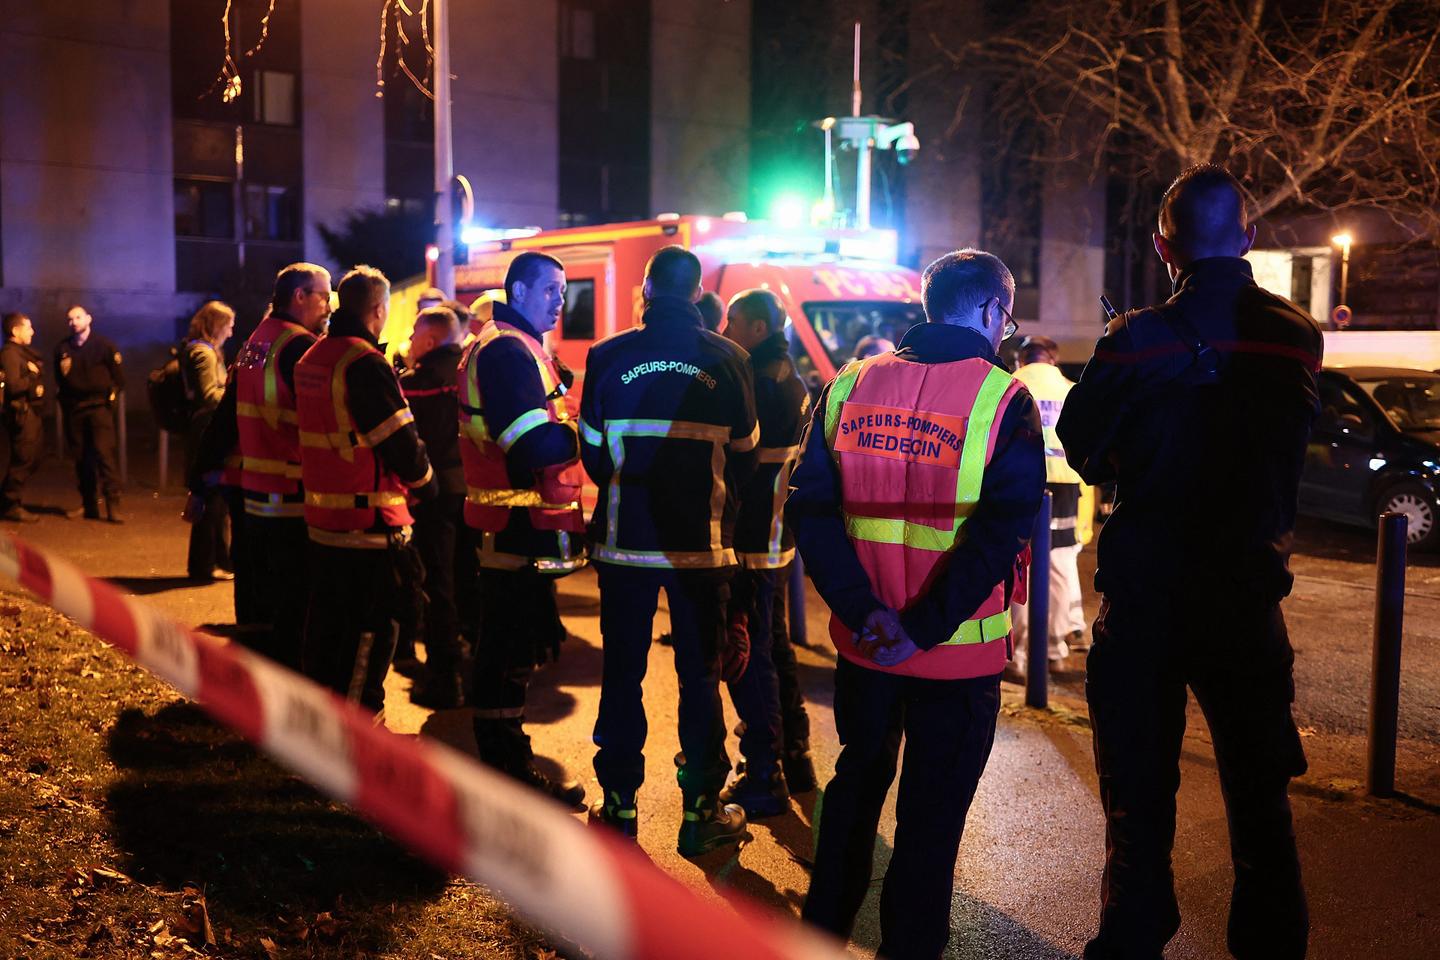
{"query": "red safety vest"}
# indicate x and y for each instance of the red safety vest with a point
(912, 441)
(265, 416)
(348, 491)
(554, 501)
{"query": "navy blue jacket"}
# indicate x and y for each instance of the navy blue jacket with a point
(781, 402)
(991, 538)
(667, 420)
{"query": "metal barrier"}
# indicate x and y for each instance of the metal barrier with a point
(797, 602)
(1037, 670)
(1385, 667)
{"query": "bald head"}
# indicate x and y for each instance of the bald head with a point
(1203, 215)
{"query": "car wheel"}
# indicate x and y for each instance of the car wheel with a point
(1418, 506)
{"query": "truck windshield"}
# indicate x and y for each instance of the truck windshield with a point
(841, 326)
(1412, 402)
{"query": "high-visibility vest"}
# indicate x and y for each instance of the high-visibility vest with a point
(553, 501)
(911, 441)
(266, 419)
(348, 490)
(1049, 387)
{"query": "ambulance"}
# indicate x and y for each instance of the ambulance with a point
(838, 285)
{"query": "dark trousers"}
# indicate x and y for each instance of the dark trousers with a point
(209, 543)
(949, 727)
(1235, 655)
(91, 434)
(628, 599)
(24, 432)
(280, 547)
(350, 623)
(794, 721)
(244, 563)
(756, 694)
(437, 525)
(520, 615)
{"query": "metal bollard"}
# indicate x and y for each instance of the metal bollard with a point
(1037, 671)
(796, 601)
(122, 428)
(163, 467)
(1385, 667)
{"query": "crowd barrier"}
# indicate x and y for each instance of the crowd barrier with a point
(579, 884)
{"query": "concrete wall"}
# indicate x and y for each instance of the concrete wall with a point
(86, 201)
(1072, 259)
(700, 106)
(504, 60)
(344, 122)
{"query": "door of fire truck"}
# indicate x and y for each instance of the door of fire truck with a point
(589, 312)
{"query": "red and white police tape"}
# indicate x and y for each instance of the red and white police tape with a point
(577, 883)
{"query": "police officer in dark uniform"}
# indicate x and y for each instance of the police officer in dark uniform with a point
(668, 428)
(776, 737)
(24, 395)
(1200, 410)
(88, 370)
(429, 387)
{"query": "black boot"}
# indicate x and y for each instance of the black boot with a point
(799, 767)
(569, 792)
(617, 811)
(760, 796)
(438, 690)
(709, 825)
(112, 509)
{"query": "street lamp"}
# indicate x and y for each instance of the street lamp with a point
(1343, 241)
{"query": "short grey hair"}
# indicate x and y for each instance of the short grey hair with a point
(963, 280)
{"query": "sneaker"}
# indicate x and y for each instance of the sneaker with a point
(1078, 641)
(438, 691)
(709, 825)
(569, 792)
(760, 797)
(799, 768)
(618, 813)
(16, 514)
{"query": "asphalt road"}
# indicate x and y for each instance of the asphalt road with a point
(1028, 872)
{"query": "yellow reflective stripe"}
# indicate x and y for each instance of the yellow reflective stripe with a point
(272, 410)
(767, 561)
(255, 410)
(429, 475)
(777, 454)
(388, 427)
(718, 435)
(993, 627)
(338, 441)
(748, 443)
(274, 509)
(514, 498)
(520, 426)
(355, 501)
(279, 468)
(679, 429)
(592, 436)
(918, 536)
(661, 558)
(840, 390)
(568, 561)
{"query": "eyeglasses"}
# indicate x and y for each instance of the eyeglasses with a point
(1012, 326)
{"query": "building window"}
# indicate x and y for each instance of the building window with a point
(274, 98)
(579, 320)
(204, 208)
(270, 212)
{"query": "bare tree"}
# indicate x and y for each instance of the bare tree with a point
(1318, 104)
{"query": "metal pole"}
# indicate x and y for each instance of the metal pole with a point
(59, 431)
(163, 471)
(1037, 672)
(862, 181)
(444, 157)
(797, 602)
(124, 433)
(1344, 272)
(1385, 668)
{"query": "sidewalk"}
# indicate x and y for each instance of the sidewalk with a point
(1028, 873)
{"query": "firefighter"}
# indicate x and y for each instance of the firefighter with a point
(776, 733)
(89, 372)
(1038, 369)
(257, 417)
(361, 459)
(667, 420)
(1200, 410)
(520, 453)
(914, 498)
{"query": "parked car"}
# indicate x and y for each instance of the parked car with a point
(1376, 448)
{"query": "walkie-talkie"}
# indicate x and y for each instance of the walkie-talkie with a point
(1108, 307)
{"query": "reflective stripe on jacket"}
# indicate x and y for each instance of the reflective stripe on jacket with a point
(1050, 387)
(347, 488)
(265, 413)
(552, 502)
(911, 441)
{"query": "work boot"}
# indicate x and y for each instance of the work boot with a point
(617, 811)
(569, 792)
(438, 690)
(760, 797)
(799, 768)
(112, 510)
(709, 825)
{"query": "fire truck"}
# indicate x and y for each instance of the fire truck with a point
(838, 285)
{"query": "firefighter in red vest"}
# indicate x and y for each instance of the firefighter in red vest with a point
(362, 461)
(257, 417)
(520, 451)
(917, 488)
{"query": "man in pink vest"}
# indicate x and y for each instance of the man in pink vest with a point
(917, 488)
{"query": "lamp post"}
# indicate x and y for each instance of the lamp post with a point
(1343, 241)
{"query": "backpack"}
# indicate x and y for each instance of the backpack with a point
(166, 387)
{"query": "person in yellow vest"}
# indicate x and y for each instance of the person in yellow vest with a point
(361, 461)
(913, 502)
(1037, 369)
